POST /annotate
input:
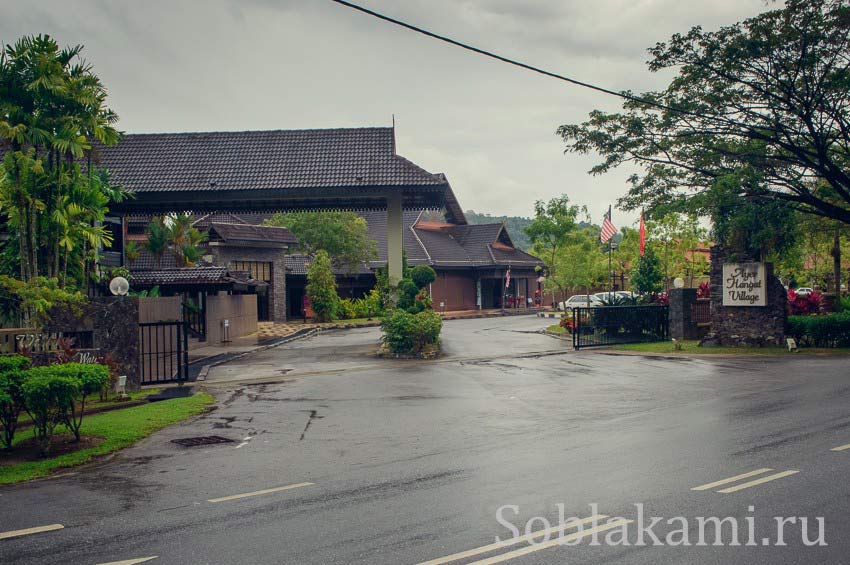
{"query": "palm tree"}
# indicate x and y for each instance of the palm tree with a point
(52, 107)
(157, 242)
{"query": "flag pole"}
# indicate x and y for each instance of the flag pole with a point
(610, 287)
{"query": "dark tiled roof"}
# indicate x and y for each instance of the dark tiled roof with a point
(248, 160)
(204, 222)
(249, 233)
(147, 262)
(189, 275)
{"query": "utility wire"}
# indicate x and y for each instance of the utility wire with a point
(510, 61)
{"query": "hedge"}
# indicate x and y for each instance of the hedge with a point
(831, 330)
(408, 333)
(51, 395)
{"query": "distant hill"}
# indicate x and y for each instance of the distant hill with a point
(513, 223)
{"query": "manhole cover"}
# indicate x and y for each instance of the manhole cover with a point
(202, 440)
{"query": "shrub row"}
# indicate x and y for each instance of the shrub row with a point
(52, 395)
(831, 330)
(369, 306)
(409, 334)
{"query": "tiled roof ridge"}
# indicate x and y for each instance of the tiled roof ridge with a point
(277, 130)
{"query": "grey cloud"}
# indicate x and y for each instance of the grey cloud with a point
(263, 64)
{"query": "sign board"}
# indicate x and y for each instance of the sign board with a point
(744, 284)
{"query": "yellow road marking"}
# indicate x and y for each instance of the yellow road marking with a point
(551, 543)
(841, 448)
(732, 479)
(760, 481)
(132, 561)
(259, 492)
(28, 531)
(512, 541)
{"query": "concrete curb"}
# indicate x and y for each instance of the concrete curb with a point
(549, 315)
(202, 375)
(562, 337)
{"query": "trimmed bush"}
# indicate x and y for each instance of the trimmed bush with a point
(92, 380)
(831, 330)
(12, 376)
(346, 310)
(407, 291)
(48, 396)
(422, 276)
(370, 305)
(57, 394)
(409, 334)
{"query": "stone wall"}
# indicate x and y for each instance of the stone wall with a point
(114, 323)
(225, 256)
(745, 325)
(682, 326)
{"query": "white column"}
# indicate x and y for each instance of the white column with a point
(394, 236)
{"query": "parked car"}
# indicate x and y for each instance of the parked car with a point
(804, 291)
(615, 295)
(580, 301)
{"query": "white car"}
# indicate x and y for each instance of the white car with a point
(616, 295)
(804, 291)
(580, 301)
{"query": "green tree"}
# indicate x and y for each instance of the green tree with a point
(582, 263)
(551, 230)
(648, 276)
(157, 241)
(185, 240)
(625, 255)
(343, 235)
(763, 105)
(321, 287)
(52, 106)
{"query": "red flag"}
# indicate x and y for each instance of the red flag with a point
(608, 230)
(642, 235)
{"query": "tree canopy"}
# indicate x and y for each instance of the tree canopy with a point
(52, 107)
(343, 235)
(762, 105)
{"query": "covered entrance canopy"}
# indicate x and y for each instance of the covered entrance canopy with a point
(269, 171)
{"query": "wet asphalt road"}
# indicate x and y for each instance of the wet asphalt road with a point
(410, 461)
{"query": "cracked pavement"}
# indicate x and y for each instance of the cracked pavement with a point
(389, 461)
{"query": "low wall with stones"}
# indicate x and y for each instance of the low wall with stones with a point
(745, 325)
(113, 323)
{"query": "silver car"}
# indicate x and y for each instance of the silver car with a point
(580, 301)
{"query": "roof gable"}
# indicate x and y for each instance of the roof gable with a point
(249, 160)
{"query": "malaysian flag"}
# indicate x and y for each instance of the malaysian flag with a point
(608, 229)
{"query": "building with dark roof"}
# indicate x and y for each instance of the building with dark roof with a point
(233, 181)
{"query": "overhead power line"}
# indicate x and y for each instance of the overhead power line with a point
(514, 62)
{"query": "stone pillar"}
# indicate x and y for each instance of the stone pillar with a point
(682, 325)
(745, 325)
(395, 231)
(278, 299)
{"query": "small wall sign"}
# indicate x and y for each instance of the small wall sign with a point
(744, 284)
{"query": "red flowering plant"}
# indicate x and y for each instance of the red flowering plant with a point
(704, 290)
(804, 304)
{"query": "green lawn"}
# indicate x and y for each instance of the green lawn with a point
(94, 402)
(119, 429)
(557, 329)
(692, 347)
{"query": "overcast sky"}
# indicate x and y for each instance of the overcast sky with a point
(173, 65)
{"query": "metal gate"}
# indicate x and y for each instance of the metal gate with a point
(611, 325)
(163, 352)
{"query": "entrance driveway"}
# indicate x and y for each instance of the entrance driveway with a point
(343, 458)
